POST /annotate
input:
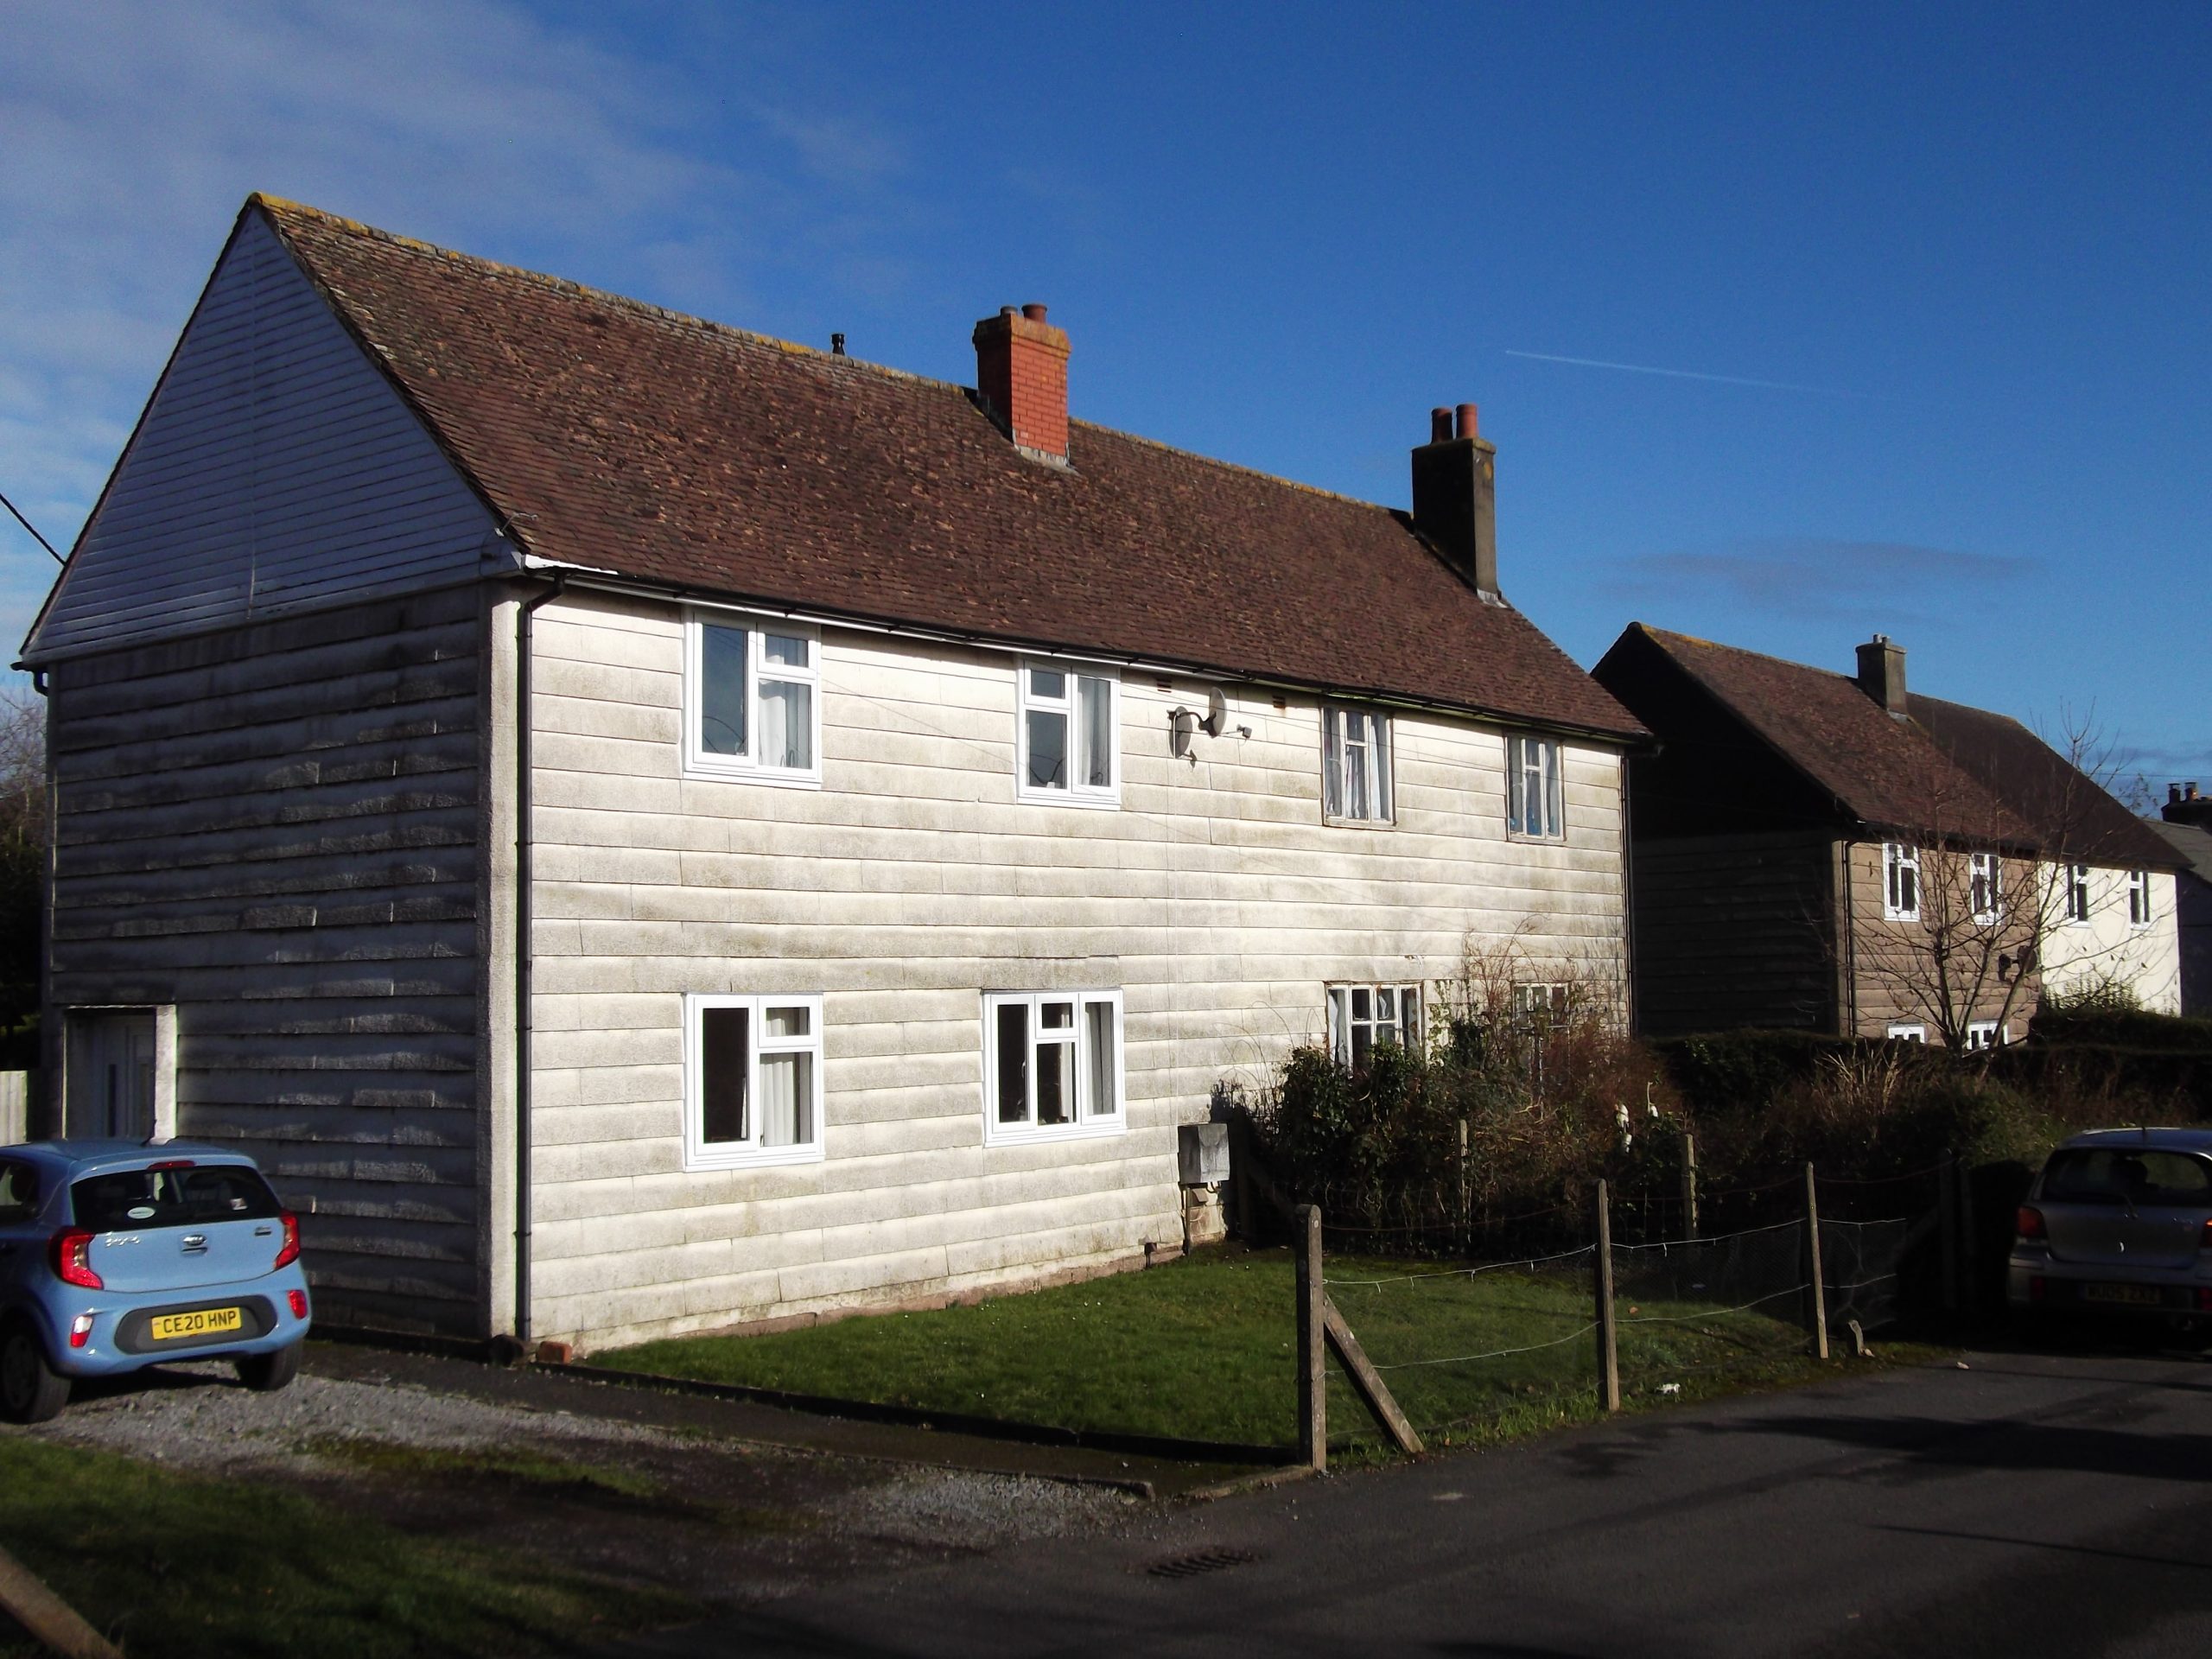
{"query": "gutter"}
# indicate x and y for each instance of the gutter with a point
(524, 1206)
(592, 577)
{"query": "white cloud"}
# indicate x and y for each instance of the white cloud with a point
(131, 131)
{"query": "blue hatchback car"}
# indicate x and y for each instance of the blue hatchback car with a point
(115, 1255)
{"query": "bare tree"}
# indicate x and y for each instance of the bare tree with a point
(1972, 907)
(25, 830)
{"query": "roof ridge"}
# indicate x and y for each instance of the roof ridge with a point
(1745, 651)
(278, 206)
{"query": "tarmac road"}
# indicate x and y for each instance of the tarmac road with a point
(2028, 1504)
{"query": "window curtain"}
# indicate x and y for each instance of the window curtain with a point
(786, 1099)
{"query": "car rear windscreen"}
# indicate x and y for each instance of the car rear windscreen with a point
(126, 1199)
(2128, 1175)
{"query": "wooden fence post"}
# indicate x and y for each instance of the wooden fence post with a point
(1969, 1253)
(1466, 1209)
(1820, 1302)
(1609, 1357)
(1690, 1185)
(1313, 1337)
(1947, 1229)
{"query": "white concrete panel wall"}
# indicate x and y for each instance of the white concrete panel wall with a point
(907, 885)
(2107, 951)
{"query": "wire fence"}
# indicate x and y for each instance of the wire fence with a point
(1495, 1339)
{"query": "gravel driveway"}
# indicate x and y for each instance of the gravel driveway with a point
(729, 1521)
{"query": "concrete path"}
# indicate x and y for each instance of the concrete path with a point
(2028, 1504)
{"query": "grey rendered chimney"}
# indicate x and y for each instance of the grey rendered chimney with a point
(1881, 673)
(1455, 496)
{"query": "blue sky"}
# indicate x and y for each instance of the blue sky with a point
(1927, 285)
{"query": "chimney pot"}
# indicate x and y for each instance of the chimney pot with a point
(2173, 793)
(1455, 496)
(1021, 377)
(2192, 789)
(1881, 674)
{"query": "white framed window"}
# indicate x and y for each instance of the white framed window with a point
(1355, 764)
(2139, 897)
(1552, 1002)
(1537, 804)
(2075, 879)
(751, 699)
(1360, 1016)
(1903, 1032)
(752, 1081)
(1986, 1033)
(1985, 888)
(1900, 882)
(1052, 1065)
(1071, 726)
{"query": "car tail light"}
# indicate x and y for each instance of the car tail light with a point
(2204, 1299)
(290, 1253)
(171, 1163)
(299, 1301)
(2029, 1223)
(80, 1330)
(2037, 1290)
(73, 1259)
(2204, 1239)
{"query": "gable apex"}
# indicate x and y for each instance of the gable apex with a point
(274, 468)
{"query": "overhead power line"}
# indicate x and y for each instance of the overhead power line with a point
(27, 525)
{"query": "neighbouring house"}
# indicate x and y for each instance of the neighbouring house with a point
(2185, 816)
(1832, 853)
(643, 827)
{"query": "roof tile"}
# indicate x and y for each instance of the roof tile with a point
(617, 435)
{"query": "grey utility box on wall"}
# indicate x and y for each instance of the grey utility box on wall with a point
(1202, 1153)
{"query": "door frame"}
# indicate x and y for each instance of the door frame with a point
(164, 1015)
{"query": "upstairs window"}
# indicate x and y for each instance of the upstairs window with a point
(752, 1081)
(1900, 882)
(1071, 736)
(1355, 764)
(2077, 892)
(1536, 810)
(1985, 888)
(752, 703)
(1363, 1016)
(1051, 1065)
(2139, 897)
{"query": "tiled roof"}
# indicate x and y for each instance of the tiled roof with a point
(616, 436)
(1882, 771)
(1950, 772)
(2194, 845)
(2071, 814)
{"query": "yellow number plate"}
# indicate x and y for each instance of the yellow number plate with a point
(2132, 1295)
(202, 1322)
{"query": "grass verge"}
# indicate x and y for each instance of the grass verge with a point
(176, 1565)
(1202, 1349)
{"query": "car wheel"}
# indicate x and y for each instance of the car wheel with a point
(266, 1373)
(31, 1391)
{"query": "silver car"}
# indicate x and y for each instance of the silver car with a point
(2119, 1222)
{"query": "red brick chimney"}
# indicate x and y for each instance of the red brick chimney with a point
(1021, 369)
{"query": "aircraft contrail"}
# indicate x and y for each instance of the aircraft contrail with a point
(1684, 374)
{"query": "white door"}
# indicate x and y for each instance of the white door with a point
(111, 1075)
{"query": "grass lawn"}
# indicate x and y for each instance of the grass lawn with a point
(1201, 1349)
(171, 1564)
